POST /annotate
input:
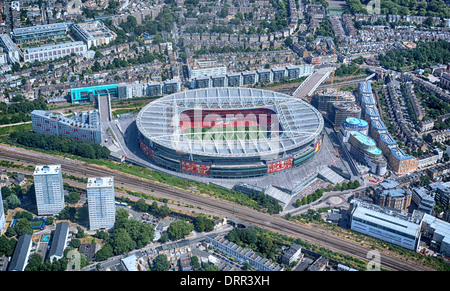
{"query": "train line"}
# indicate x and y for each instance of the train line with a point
(215, 205)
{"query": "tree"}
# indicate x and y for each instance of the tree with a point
(75, 243)
(23, 226)
(7, 246)
(104, 253)
(12, 201)
(202, 223)
(195, 262)
(141, 205)
(73, 197)
(179, 229)
(161, 263)
(122, 242)
(211, 267)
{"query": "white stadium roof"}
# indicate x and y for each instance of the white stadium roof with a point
(300, 123)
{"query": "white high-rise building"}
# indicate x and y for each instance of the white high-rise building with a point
(101, 203)
(48, 185)
(2, 214)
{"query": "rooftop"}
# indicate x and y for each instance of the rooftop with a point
(96, 182)
(389, 218)
(300, 122)
(47, 169)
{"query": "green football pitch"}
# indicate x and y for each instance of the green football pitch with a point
(227, 133)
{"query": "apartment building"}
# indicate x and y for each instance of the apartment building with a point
(205, 67)
(93, 33)
(101, 203)
(83, 126)
(48, 184)
(52, 52)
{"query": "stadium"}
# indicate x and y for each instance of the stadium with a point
(229, 132)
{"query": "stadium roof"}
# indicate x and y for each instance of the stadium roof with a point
(299, 122)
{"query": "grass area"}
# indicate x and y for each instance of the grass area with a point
(7, 130)
(227, 133)
(117, 112)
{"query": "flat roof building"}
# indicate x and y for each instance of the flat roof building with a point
(439, 231)
(205, 67)
(101, 203)
(93, 33)
(48, 185)
(38, 32)
(88, 94)
(52, 52)
(386, 224)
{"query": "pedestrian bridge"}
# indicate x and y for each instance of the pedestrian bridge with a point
(307, 88)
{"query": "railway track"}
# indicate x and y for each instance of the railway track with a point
(217, 206)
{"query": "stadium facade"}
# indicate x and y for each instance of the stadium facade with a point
(229, 132)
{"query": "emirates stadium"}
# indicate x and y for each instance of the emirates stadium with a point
(229, 132)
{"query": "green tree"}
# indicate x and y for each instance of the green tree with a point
(75, 243)
(202, 223)
(161, 263)
(104, 253)
(141, 205)
(23, 226)
(73, 197)
(179, 229)
(122, 242)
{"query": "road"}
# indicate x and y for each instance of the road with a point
(317, 236)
